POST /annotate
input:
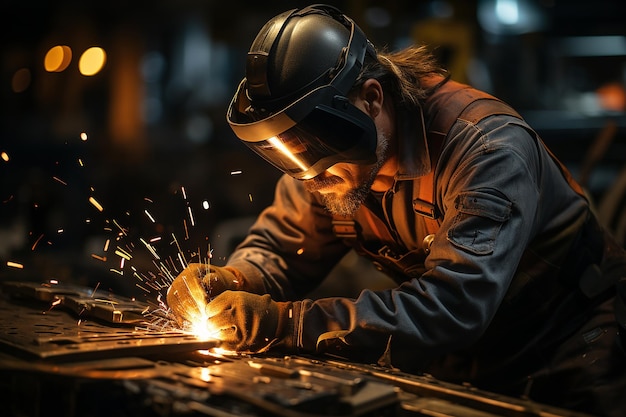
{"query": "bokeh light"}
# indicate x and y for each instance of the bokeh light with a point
(21, 80)
(92, 61)
(58, 58)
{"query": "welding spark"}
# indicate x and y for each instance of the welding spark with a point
(5, 156)
(236, 172)
(206, 205)
(149, 216)
(60, 180)
(122, 230)
(150, 248)
(121, 252)
(98, 257)
(36, 242)
(96, 204)
(184, 193)
(183, 261)
(193, 223)
(15, 265)
(83, 136)
(94, 290)
(142, 288)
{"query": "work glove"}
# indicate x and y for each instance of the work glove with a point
(252, 323)
(193, 288)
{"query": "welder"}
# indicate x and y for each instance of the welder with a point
(505, 280)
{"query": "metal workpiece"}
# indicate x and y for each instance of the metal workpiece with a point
(67, 323)
(57, 360)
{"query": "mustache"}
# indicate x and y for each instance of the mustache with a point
(318, 183)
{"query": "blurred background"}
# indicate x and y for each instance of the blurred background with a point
(117, 165)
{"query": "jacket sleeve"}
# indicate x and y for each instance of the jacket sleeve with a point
(291, 248)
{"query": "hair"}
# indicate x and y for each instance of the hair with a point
(400, 73)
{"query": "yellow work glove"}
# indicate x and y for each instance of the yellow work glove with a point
(193, 288)
(251, 323)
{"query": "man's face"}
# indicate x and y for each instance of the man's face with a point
(344, 186)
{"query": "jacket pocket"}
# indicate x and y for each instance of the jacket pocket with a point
(478, 221)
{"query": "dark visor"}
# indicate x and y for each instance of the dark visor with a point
(322, 139)
(325, 135)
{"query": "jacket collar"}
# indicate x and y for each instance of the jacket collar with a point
(413, 154)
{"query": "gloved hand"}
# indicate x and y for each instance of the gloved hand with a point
(253, 323)
(193, 288)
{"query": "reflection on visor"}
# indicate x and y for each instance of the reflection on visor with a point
(321, 140)
(274, 141)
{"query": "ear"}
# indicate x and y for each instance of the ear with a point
(371, 97)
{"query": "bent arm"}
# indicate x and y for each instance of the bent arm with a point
(490, 198)
(291, 247)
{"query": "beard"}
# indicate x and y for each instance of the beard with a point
(348, 203)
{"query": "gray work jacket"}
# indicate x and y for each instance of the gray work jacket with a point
(485, 290)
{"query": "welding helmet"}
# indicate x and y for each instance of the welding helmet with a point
(292, 107)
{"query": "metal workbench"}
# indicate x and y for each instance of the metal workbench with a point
(71, 351)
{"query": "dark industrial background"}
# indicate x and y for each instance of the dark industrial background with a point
(159, 158)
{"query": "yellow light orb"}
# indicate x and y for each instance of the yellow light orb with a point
(57, 58)
(92, 61)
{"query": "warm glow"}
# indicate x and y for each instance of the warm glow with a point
(200, 328)
(57, 58)
(205, 374)
(92, 61)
